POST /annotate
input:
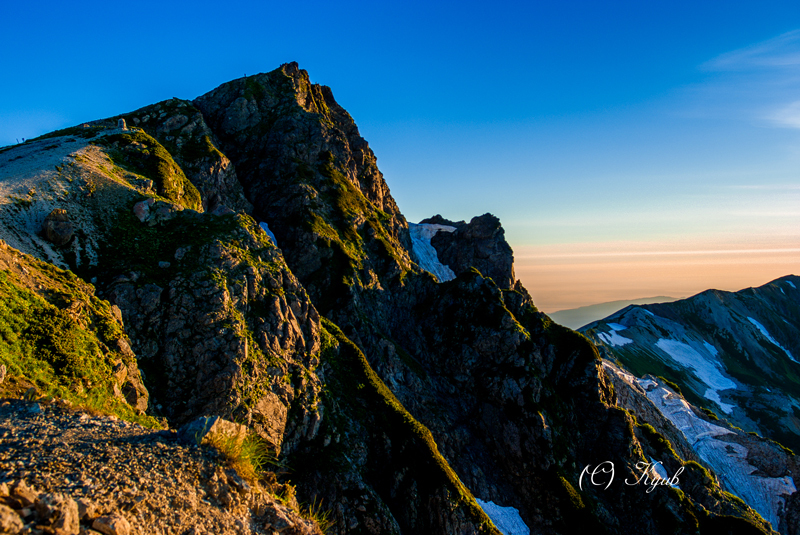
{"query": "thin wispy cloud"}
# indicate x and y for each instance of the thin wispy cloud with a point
(769, 187)
(760, 81)
(788, 117)
(612, 254)
(778, 52)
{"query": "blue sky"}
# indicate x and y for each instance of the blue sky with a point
(630, 148)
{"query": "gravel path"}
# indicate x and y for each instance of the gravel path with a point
(110, 468)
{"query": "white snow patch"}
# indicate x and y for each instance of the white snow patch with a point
(648, 312)
(264, 226)
(646, 383)
(784, 293)
(713, 395)
(616, 326)
(705, 370)
(790, 283)
(506, 519)
(711, 349)
(614, 339)
(770, 338)
(425, 252)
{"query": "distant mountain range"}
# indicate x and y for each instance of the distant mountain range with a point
(575, 318)
(735, 353)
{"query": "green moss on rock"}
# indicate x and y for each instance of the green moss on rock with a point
(140, 153)
(62, 352)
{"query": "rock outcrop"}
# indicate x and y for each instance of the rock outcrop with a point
(181, 128)
(479, 244)
(217, 331)
(57, 228)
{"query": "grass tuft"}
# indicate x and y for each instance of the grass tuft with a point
(321, 517)
(249, 457)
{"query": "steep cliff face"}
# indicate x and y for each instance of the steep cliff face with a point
(734, 353)
(313, 179)
(409, 398)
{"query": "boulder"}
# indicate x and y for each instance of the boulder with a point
(57, 228)
(113, 524)
(10, 522)
(142, 209)
(60, 512)
(207, 429)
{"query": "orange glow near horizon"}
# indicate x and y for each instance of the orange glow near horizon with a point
(569, 276)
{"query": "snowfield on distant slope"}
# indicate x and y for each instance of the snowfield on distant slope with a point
(766, 334)
(614, 339)
(704, 369)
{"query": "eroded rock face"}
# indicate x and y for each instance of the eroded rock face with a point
(222, 333)
(313, 179)
(481, 244)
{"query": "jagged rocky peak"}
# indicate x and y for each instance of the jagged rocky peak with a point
(313, 179)
(481, 244)
(235, 108)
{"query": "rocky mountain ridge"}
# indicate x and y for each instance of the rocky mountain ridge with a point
(749, 381)
(400, 401)
(733, 353)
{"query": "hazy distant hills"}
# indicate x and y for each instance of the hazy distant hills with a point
(737, 354)
(575, 318)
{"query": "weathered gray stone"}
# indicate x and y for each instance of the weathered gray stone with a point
(269, 420)
(24, 493)
(86, 508)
